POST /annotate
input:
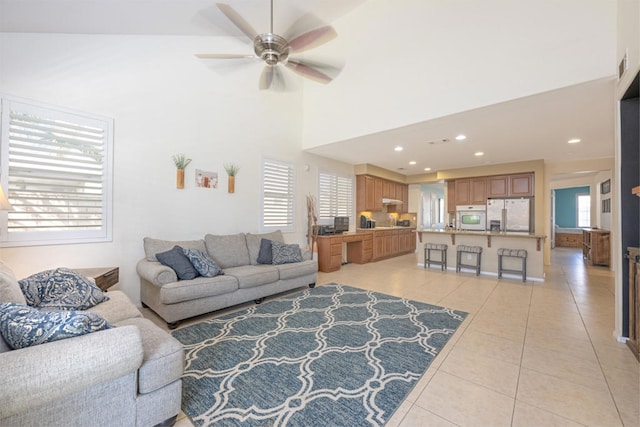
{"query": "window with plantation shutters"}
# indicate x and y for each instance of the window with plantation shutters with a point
(56, 174)
(335, 197)
(277, 195)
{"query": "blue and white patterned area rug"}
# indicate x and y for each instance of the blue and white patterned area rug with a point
(329, 356)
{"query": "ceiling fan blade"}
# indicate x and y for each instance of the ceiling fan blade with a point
(238, 20)
(313, 38)
(223, 55)
(307, 71)
(266, 78)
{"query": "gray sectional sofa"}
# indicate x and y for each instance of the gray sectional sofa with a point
(244, 279)
(129, 375)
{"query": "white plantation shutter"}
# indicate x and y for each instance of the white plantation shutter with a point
(277, 195)
(335, 197)
(57, 165)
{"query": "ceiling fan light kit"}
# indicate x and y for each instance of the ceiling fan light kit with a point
(274, 49)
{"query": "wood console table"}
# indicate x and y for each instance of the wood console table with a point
(105, 277)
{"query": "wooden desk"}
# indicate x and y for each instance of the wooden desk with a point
(359, 250)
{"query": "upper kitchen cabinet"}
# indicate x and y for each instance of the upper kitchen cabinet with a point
(388, 189)
(463, 186)
(472, 191)
(368, 193)
(521, 185)
(451, 200)
(498, 186)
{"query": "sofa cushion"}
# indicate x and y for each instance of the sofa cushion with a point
(23, 326)
(228, 250)
(254, 244)
(250, 276)
(178, 261)
(163, 360)
(203, 263)
(285, 254)
(297, 269)
(61, 289)
(153, 246)
(9, 288)
(266, 254)
(119, 307)
(201, 287)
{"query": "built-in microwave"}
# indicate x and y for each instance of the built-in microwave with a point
(473, 218)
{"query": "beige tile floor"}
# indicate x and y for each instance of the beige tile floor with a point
(529, 354)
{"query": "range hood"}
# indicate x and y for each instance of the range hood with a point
(386, 201)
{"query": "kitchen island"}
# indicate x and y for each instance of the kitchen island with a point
(490, 243)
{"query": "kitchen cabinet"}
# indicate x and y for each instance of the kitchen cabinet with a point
(388, 189)
(596, 246)
(497, 186)
(478, 191)
(368, 193)
(634, 301)
(451, 196)
(463, 187)
(390, 243)
(521, 185)
(471, 191)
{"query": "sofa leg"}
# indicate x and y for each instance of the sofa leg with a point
(173, 325)
(168, 422)
(259, 300)
(312, 285)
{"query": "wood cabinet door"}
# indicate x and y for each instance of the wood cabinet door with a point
(497, 186)
(377, 194)
(463, 187)
(370, 191)
(386, 189)
(361, 193)
(521, 185)
(478, 189)
(451, 196)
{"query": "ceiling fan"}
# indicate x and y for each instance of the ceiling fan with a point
(274, 49)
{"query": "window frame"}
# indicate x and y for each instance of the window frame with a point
(578, 196)
(351, 208)
(291, 217)
(41, 238)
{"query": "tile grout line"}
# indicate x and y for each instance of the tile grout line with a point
(613, 399)
(524, 343)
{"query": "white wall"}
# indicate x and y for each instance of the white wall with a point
(164, 101)
(413, 60)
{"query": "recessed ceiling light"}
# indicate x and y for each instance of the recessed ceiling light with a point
(427, 169)
(398, 148)
(479, 153)
(574, 141)
(412, 162)
(461, 137)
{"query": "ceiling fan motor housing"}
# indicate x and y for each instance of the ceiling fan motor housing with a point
(271, 48)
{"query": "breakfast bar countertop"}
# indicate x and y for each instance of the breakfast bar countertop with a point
(490, 243)
(484, 233)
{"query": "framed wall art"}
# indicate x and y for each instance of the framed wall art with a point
(605, 187)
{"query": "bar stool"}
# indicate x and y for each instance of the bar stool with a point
(442, 248)
(468, 250)
(514, 253)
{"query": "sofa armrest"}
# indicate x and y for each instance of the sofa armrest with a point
(156, 273)
(306, 253)
(33, 376)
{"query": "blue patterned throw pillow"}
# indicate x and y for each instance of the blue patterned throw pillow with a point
(22, 326)
(285, 254)
(61, 289)
(202, 262)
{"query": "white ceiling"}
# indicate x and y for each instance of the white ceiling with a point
(531, 128)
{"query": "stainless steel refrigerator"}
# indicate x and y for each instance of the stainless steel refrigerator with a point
(510, 215)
